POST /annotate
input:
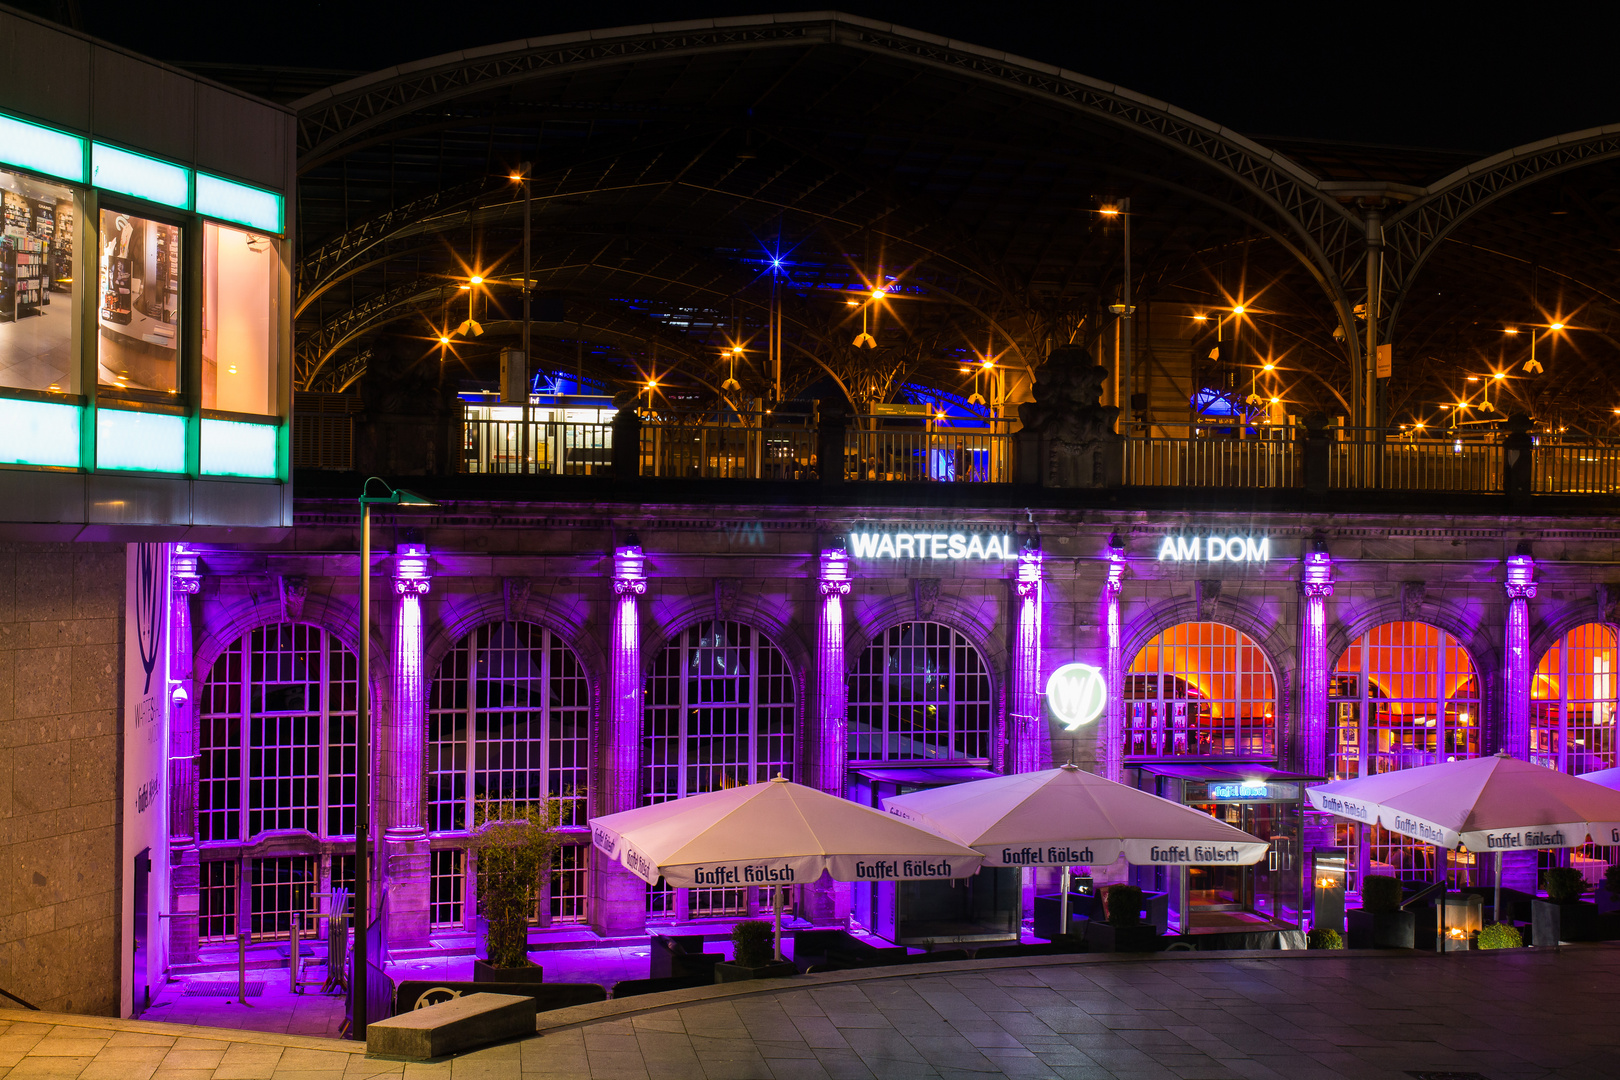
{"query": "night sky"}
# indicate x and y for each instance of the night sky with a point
(1480, 76)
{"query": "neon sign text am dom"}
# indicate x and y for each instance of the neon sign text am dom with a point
(1215, 549)
(922, 545)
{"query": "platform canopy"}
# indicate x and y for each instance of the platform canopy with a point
(1070, 817)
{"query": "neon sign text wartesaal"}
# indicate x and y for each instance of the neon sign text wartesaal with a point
(929, 545)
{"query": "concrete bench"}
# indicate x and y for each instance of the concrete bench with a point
(450, 1027)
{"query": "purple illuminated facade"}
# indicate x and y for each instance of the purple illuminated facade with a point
(967, 644)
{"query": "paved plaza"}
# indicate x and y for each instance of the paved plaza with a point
(1278, 1016)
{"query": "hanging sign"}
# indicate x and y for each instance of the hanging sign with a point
(1215, 549)
(1075, 693)
(931, 545)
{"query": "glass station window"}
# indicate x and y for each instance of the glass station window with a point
(39, 325)
(508, 722)
(1200, 689)
(920, 690)
(241, 298)
(1573, 701)
(1402, 695)
(139, 304)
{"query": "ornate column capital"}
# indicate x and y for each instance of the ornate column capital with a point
(629, 569)
(411, 573)
(185, 573)
(833, 578)
(1316, 580)
(629, 586)
(1028, 581)
(1520, 582)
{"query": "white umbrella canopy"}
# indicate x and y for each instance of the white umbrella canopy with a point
(1609, 778)
(775, 833)
(1070, 817)
(1493, 803)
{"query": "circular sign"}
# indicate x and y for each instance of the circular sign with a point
(1075, 693)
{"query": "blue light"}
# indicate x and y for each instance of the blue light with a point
(39, 433)
(144, 177)
(234, 448)
(1209, 402)
(42, 149)
(148, 442)
(245, 205)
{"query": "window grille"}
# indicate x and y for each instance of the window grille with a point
(1572, 718)
(1403, 694)
(920, 690)
(568, 883)
(216, 901)
(283, 887)
(448, 888)
(1200, 689)
(508, 721)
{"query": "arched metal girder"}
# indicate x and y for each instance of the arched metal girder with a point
(1328, 233)
(1414, 232)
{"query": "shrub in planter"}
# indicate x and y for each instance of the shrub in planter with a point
(1499, 936)
(1564, 885)
(1562, 917)
(514, 844)
(1124, 931)
(1124, 905)
(753, 954)
(1380, 923)
(1324, 939)
(1607, 896)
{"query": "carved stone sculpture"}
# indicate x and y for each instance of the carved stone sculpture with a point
(1078, 444)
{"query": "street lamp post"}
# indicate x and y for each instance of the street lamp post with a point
(362, 786)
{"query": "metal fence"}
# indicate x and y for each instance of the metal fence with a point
(1362, 460)
(874, 451)
(1191, 455)
(562, 448)
(754, 447)
(1572, 469)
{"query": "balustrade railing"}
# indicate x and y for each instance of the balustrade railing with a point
(1371, 460)
(1204, 455)
(875, 448)
(505, 444)
(1575, 469)
(751, 447)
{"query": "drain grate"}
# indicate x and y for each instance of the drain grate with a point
(221, 989)
(1430, 1074)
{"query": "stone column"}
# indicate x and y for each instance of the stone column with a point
(1514, 731)
(1315, 586)
(1028, 748)
(405, 839)
(619, 898)
(827, 901)
(1114, 712)
(184, 869)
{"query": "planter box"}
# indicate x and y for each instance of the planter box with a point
(1605, 900)
(1551, 923)
(725, 973)
(485, 972)
(1105, 937)
(1381, 929)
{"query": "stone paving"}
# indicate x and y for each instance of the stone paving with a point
(1301, 1016)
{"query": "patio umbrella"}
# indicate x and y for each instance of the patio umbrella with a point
(1609, 778)
(1493, 803)
(774, 834)
(1069, 817)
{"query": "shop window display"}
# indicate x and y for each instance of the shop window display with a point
(241, 289)
(920, 690)
(1200, 690)
(38, 286)
(139, 300)
(1402, 695)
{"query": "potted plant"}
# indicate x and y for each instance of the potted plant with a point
(1124, 930)
(1607, 896)
(1562, 916)
(752, 955)
(1379, 923)
(1324, 938)
(514, 843)
(1499, 936)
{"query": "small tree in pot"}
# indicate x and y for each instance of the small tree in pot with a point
(1562, 916)
(752, 954)
(515, 843)
(1380, 923)
(1124, 931)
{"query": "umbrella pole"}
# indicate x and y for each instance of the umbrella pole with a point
(776, 905)
(1496, 906)
(1063, 902)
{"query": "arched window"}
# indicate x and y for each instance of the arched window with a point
(276, 736)
(720, 712)
(508, 722)
(1573, 701)
(1403, 694)
(1200, 689)
(920, 690)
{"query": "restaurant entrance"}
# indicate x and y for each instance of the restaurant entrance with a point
(1224, 899)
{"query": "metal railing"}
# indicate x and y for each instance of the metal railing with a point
(1363, 460)
(1203, 455)
(751, 447)
(562, 448)
(1575, 469)
(875, 448)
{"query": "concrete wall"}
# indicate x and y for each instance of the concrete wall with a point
(61, 631)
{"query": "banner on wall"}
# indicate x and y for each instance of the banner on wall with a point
(143, 853)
